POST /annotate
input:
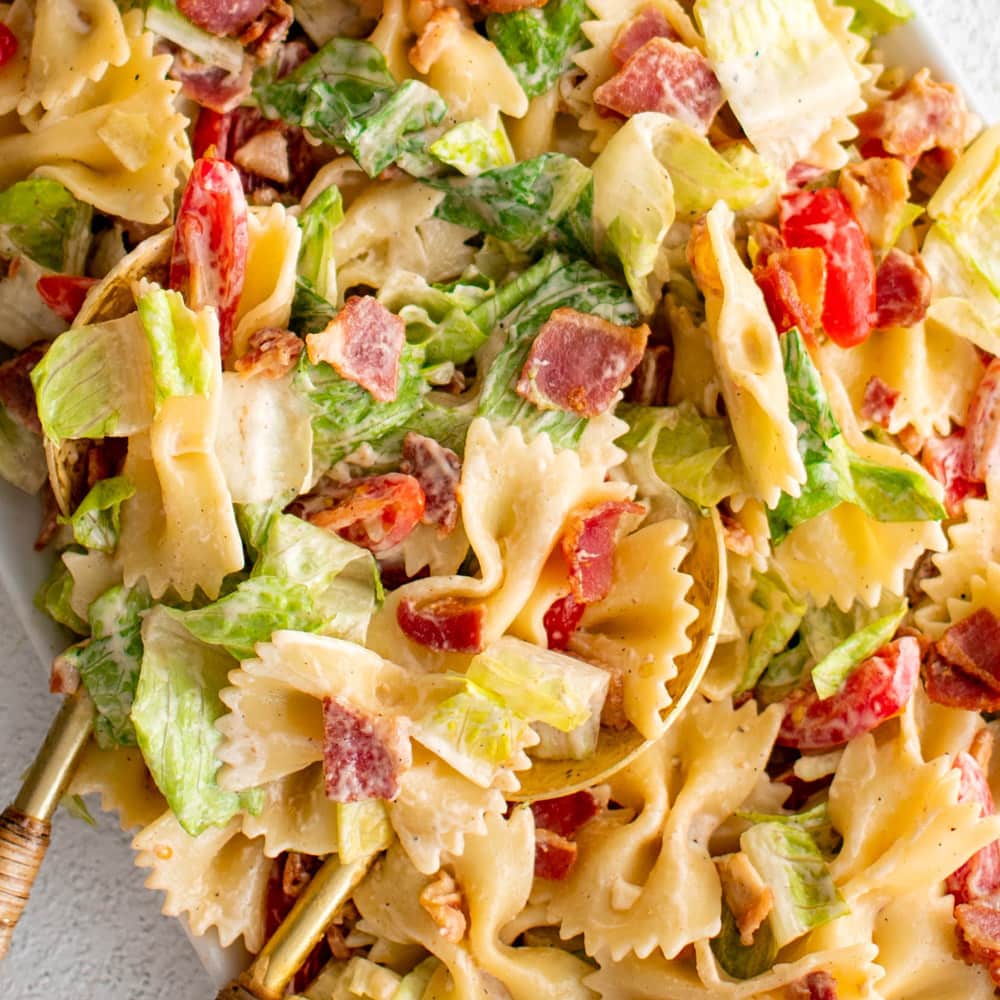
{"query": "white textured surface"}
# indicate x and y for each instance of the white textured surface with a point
(92, 932)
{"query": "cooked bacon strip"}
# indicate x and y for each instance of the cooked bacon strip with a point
(580, 362)
(921, 115)
(902, 291)
(438, 470)
(364, 343)
(562, 620)
(947, 686)
(271, 353)
(819, 985)
(668, 77)
(878, 190)
(436, 36)
(362, 757)
(554, 855)
(212, 87)
(768, 239)
(650, 385)
(978, 929)
(737, 539)
(267, 31)
(973, 646)
(588, 546)
(566, 814)
(983, 425)
(949, 461)
(649, 23)
(16, 391)
(506, 6)
(442, 899)
(64, 293)
(876, 690)
(746, 894)
(879, 401)
(979, 877)
(222, 17)
(376, 512)
(450, 624)
(794, 287)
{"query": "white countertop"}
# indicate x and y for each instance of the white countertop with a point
(92, 932)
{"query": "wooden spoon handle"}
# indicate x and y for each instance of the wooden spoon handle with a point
(24, 840)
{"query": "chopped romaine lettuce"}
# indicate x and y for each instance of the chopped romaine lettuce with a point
(108, 662)
(815, 821)
(783, 674)
(96, 523)
(317, 266)
(42, 220)
(26, 316)
(311, 313)
(255, 520)
(414, 984)
(54, 598)
(472, 148)
(363, 829)
(22, 458)
(346, 96)
(782, 617)
(176, 707)
(742, 961)
(805, 895)
(876, 17)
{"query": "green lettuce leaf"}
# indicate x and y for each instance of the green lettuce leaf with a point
(691, 453)
(782, 617)
(42, 220)
(311, 313)
(414, 984)
(317, 266)
(783, 674)
(346, 96)
(805, 895)
(539, 44)
(109, 661)
(255, 520)
(53, 598)
(22, 457)
(876, 17)
(363, 829)
(472, 148)
(174, 713)
(815, 821)
(739, 960)
(96, 523)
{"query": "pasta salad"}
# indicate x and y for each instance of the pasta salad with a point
(548, 447)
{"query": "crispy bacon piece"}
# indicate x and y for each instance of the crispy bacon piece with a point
(64, 677)
(438, 470)
(442, 899)
(579, 362)
(506, 6)
(819, 985)
(554, 855)
(212, 87)
(794, 287)
(364, 343)
(268, 30)
(649, 23)
(876, 690)
(902, 290)
(437, 35)
(746, 894)
(16, 391)
(376, 512)
(879, 401)
(362, 757)
(222, 17)
(979, 877)
(802, 173)
(978, 929)
(949, 461)
(562, 620)
(983, 425)
(566, 814)
(737, 539)
(878, 190)
(921, 115)
(64, 293)
(450, 624)
(588, 546)
(948, 686)
(768, 239)
(650, 385)
(271, 353)
(668, 77)
(973, 646)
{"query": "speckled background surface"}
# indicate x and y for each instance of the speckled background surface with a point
(92, 932)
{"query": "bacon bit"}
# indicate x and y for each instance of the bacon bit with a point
(264, 34)
(649, 23)
(562, 620)
(878, 190)
(362, 757)
(879, 402)
(376, 512)
(950, 687)
(876, 690)
(818, 985)
(64, 678)
(64, 293)
(271, 353)
(363, 343)
(297, 873)
(438, 34)
(554, 855)
(746, 894)
(920, 116)
(794, 287)
(978, 929)
(566, 814)
(443, 901)
(768, 239)
(451, 624)
(738, 540)
(668, 77)
(8, 45)
(49, 526)
(266, 155)
(579, 362)
(902, 291)
(212, 87)
(948, 460)
(802, 173)
(983, 425)
(973, 646)
(588, 546)
(16, 391)
(979, 877)
(228, 18)
(438, 470)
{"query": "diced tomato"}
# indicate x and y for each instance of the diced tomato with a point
(824, 219)
(209, 260)
(562, 620)
(64, 293)
(451, 624)
(794, 286)
(211, 132)
(876, 690)
(8, 44)
(376, 512)
(902, 291)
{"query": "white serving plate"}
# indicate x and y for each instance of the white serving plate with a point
(22, 569)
